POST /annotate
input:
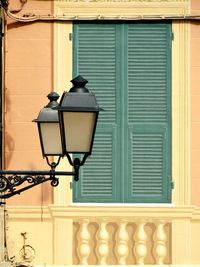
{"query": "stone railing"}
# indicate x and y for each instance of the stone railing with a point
(107, 235)
(121, 241)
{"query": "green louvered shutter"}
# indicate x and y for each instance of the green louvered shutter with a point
(95, 58)
(128, 66)
(148, 112)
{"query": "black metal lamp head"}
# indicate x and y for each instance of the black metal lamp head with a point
(79, 85)
(48, 127)
(78, 113)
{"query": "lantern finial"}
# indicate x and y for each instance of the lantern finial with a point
(79, 85)
(53, 97)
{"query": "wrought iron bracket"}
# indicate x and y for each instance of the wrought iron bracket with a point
(13, 182)
(4, 3)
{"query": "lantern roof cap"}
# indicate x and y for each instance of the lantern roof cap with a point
(78, 102)
(79, 98)
(47, 114)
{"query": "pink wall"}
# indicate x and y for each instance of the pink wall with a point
(28, 80)
(195, 105)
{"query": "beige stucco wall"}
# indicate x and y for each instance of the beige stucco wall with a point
(28, 80)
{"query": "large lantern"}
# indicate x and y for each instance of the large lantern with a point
(78, 113)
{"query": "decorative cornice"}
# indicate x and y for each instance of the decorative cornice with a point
(83, 9)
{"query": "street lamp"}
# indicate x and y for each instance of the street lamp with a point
(49, 128)
(78, 113)
(64, 129)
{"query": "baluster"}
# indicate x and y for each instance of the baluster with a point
(122, 242)
(140, 249)
(160, 249)
(102, 249)
(83, 241)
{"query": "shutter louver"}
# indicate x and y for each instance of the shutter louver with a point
(147, 165)
(147, 73)
(128, 66)
(95, 59)
(148, 116)
(99, 183)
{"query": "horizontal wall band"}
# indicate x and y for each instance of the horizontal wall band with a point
(31, 17)
(168, 213)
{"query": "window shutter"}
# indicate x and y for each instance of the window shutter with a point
(148, 113)
(128, 66)
(95, 58)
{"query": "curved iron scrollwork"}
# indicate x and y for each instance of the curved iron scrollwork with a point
(16, 181)
(10, 182)
(4, 3)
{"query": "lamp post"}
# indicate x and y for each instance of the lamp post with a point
(65, 129)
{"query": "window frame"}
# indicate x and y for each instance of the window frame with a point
(125, 129)
(180, 96)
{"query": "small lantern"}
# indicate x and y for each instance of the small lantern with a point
(78, 113)
(49, 129)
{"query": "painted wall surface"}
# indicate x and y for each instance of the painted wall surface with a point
(28, 80)
(195, 107)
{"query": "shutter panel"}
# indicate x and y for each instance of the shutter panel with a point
(95, 58)
(148, 114)
(128, 67)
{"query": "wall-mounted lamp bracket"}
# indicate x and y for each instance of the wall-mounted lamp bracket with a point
(11, 182)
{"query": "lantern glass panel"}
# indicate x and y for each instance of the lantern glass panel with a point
(79, 128)
(51, 139)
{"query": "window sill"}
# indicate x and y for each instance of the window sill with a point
(122, 205)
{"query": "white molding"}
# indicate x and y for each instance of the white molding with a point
(17, 213)
(151, 205)
(123, 1)
(135, 265)
(181, 114)
(116, 9)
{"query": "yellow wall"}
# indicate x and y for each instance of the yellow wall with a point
(195, 106)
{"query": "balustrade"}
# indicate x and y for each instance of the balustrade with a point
(140, 248)
(119, 246)
(160, 238)
(102, 250)
(83, 242)
(122, 242)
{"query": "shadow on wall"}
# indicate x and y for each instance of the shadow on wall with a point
(8, 138)
(15, 25)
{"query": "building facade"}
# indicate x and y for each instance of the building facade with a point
(137, 201)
